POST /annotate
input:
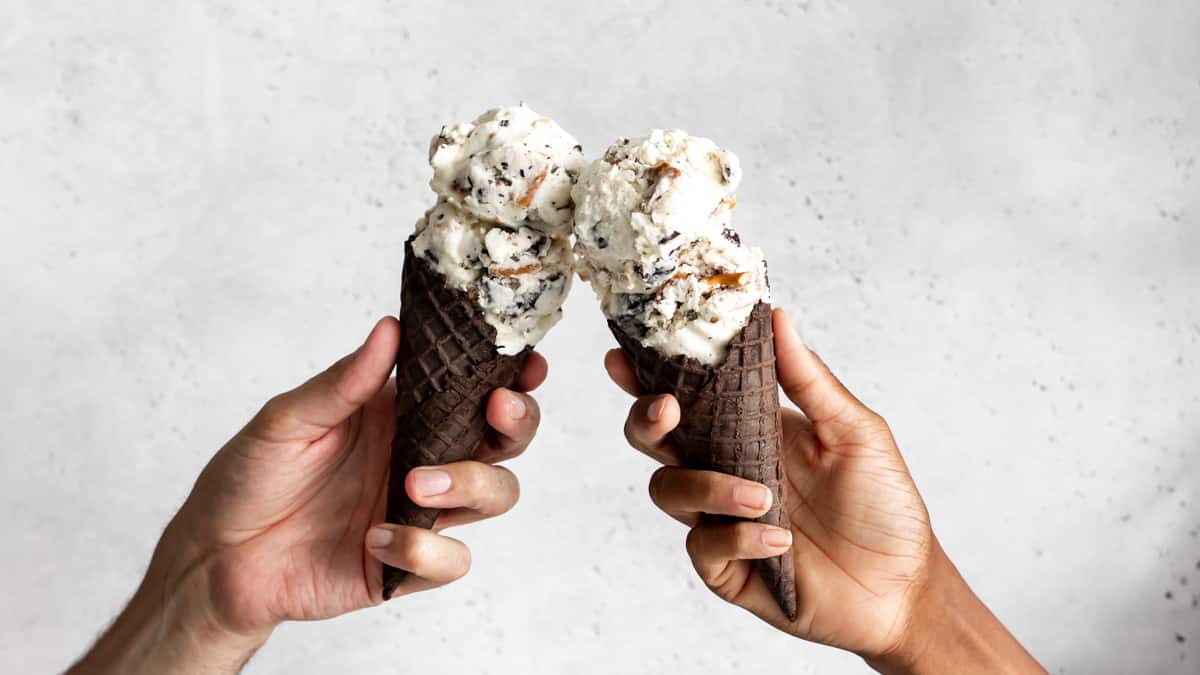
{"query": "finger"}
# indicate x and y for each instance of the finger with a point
(482, 489)
(513, 419)
(650, 420)
(719, 553)
(455, 518)
(433, 557)
(329, 398)
(808, 382)
(686, 493)
(533, 373)
(621, 371)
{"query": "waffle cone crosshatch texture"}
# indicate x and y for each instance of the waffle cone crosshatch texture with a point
(729, 421)
(446, 368)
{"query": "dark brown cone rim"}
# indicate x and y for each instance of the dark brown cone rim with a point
(446, 368)
(730, 421)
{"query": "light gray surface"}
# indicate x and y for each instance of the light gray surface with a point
(984, 216)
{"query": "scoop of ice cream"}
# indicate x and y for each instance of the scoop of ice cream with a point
(653, 236)
(520, 277)
(649, 197)
(511, 166)
(700, 309)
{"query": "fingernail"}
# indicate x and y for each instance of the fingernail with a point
(378, 537)
(752, 496)
(516, 407)
(429, 482)
(777, 538)
(655, 411)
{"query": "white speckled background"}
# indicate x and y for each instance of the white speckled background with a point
(985, 215)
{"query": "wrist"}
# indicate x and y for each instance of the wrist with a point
(170, 625)
(927, 619)
(949, 629)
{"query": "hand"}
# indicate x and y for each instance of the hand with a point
(285, 521)
(866, 560)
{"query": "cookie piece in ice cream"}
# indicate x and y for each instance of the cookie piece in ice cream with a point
(700, 309)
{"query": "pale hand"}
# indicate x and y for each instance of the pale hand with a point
(285, 522)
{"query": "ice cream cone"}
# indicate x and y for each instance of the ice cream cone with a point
(730, 421)
(446, 368)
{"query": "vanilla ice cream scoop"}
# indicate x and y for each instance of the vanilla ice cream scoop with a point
(654, 238)
(511, 166)
(648, 198)
(501, 229)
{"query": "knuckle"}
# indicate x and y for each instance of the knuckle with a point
(657, 483)
(518, 442)
(746, 536)
(872, 424)
(274, 410)
(274, 418)
(694, 544)
(411, 548)
(711, 490)
(474, 480)
(510, 491)
(532, 410)
(463, 562)
(870, 418)
(631, 435)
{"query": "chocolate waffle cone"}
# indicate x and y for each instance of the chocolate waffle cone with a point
(729, 423)
(446, 368)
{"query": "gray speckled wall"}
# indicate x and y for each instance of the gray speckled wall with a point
(985, 216)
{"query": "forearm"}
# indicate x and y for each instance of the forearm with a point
(166, 629)
(952, 631)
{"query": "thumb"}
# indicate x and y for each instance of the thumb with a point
(330, 397)
(810, 384)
